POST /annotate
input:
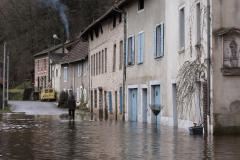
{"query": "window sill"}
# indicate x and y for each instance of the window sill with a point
(230, 71)
(140, 10)
(182, 50)
(159, 57)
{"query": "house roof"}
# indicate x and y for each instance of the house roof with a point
(78, 53)
(56, 47)
(111, 11)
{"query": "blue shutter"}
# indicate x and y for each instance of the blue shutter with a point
(142, 47)
(162, 40)
(121, 100)
(139, 47)
(154, 43)
(133, 50)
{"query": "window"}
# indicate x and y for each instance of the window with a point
(114, 21)
(79, 70)
(131, 55)
(114, 58)
(65, 74)
(140, 47)
(140, 4)
(99, 62)
(198, 21)
(94, 65)
(105, 60)
(38, 65)
(159, 41)
(102, 61)
(120, 54)
(182, 28)
(45, 64)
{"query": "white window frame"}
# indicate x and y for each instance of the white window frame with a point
(198, 23)
(182, 48)
(162, 41)
(132, 50)
(79, 69)
(65, 74)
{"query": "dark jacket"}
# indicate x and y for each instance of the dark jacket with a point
(71, 103)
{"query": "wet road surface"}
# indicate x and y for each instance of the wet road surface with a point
(53, 137)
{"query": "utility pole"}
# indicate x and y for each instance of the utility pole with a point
(7, 77)
(4, 72)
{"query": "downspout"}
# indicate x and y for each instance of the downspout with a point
(124, 63)
(208, 62)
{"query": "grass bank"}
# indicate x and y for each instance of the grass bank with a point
(6, 109)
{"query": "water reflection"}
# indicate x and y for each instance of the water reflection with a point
(54, 137)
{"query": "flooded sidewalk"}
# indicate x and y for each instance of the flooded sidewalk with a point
(54, 137)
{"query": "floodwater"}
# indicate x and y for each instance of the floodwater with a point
(24, 137)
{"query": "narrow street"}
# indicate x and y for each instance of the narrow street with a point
(36, 108)
(44, 132)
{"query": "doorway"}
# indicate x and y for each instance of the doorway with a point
(174, 102)
(144, 105)
(133, 105)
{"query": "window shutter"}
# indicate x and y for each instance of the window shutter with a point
(127, 54)
(133, 50)
(139, 47)
(142, 46)
(154, 43)
(162, 40)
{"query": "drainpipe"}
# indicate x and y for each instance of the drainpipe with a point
(208, 61)
(124, 63)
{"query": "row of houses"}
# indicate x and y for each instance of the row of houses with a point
(155, 53)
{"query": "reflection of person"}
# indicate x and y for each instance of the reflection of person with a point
(71, 103)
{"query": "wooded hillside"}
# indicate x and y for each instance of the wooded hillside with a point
(28, 27)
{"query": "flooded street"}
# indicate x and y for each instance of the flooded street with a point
(26, 136)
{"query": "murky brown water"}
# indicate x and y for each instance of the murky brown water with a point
(51, 137)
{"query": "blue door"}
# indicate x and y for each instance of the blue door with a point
(121, 100)
(110, 101)
(134, 105)
(157, 98)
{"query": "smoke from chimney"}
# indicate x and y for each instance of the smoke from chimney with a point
(61, 9)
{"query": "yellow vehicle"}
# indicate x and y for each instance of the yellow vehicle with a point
(47, 94)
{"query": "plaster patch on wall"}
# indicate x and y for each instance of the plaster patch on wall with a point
(235, 106)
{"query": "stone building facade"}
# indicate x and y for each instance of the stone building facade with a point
(226, 66)
(105, 37)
